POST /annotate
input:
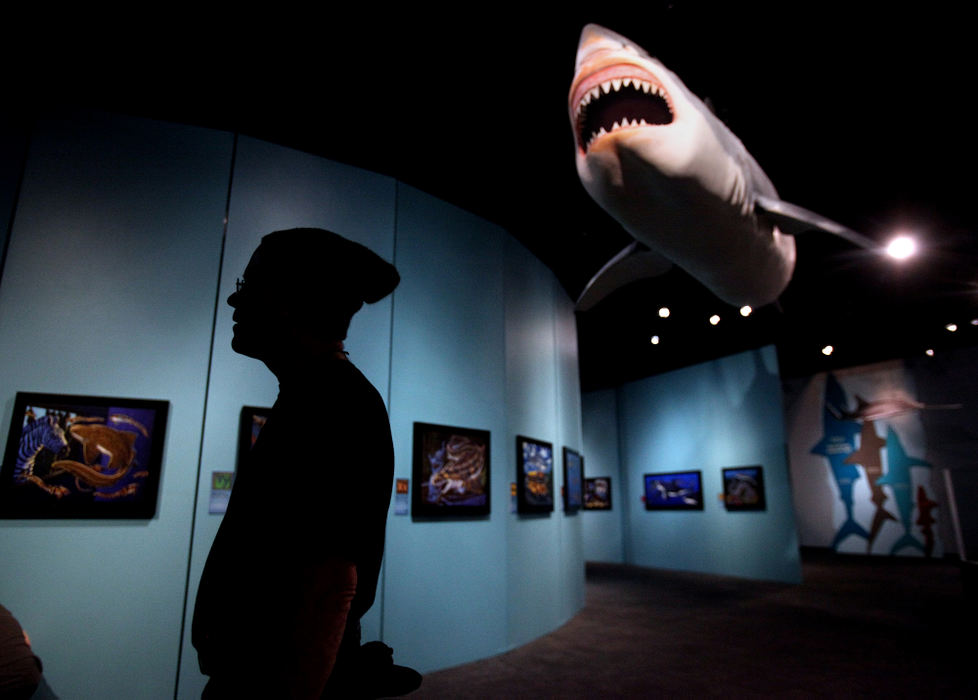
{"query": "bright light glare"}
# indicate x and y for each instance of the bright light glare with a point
(664, 312)
(655, 340)
(827, 350)
(951, 327)
(901, 247)
(714, 320)
(745, 310)
(929, 352)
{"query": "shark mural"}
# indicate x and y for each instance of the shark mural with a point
(653, 156)
(896, 483)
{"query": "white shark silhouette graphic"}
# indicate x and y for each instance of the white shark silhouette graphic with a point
(676, 178)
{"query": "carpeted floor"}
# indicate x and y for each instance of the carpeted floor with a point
(856, 627)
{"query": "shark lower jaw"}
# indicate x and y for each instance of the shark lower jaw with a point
(621, 96)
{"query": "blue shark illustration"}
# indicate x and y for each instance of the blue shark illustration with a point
(654, 157)
(898, 478)
(837, 443)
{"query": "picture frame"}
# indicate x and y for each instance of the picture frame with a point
(573, 480)
(743, 488)
(88, 457)
(674, 491)
(597, 493)
(534, 475)
(251, 422)
(451, 471)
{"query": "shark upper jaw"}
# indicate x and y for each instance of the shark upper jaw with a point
(614, 88)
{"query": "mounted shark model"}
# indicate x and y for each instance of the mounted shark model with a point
(652, 155)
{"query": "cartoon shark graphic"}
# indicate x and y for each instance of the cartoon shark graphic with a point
(888, 408)
(837, 444)
(898, 478)
(653, 156)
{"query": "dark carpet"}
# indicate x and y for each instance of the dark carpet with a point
(857, 627)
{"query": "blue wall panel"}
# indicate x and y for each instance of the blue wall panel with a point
(444, 591)
(730, 414)
(602, 536)
(276, 188)
(109, 289)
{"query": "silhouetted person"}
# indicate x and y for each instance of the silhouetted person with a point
(295, 563)
(20, 668)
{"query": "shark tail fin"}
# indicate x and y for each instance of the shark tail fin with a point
(791, 218)
(906, 541)
(633, 263)
(849, 527)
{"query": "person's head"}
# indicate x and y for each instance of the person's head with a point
(300, 290)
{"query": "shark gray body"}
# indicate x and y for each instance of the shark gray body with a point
(653, 156)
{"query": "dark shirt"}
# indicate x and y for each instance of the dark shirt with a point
(315, 487)
(20, 670)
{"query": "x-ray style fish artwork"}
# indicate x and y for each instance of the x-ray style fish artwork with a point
(653, 156)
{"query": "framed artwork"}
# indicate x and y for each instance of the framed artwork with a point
(597, 493)
(573, 480)
(743, 488)
(82, 457)
(534, 475)
(674, 491)
(451, 471)
(252, 420)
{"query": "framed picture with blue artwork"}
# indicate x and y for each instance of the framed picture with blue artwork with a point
(597, 493)
(674, 491)
(573, 480)
(534, 475)
(451, 472)
(743, 488)
(82, 457)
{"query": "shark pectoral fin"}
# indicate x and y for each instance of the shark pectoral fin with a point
(791, 218)
(633, 263)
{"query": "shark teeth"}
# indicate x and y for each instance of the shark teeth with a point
(610, 86)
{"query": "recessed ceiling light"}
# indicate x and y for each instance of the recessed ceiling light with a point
(745, 310)
(714, 320)
(929, 352)
(951, 327)
(655, 340)
(901, 247)
(828, 350)
(664, 312)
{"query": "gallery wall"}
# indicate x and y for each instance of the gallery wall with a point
(724, 413)
(602, 532)
(873, 449)
(119, 262)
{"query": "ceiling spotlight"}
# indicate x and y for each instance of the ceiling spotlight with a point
(655, 340)
(664, 312)
(951, 327)
(714, 320)
(901, 247)
(828, 350)
(974, 322)
(929, 352)
(745, 311)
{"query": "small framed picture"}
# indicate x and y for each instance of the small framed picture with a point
(534, 475)
(252, 421)
(597, 493)
(743, 488)
(83, 457)
(451, 471)
(573, 480)
(674, 491)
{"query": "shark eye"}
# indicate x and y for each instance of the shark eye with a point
(617, 104)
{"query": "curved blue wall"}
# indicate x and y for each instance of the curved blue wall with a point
(118, 266)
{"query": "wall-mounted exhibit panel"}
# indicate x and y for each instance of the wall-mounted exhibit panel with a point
(108, 290)
(729, 415)
(444, 586)
(277, 188)
(601, 532)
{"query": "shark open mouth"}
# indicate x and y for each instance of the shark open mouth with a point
(619, 103)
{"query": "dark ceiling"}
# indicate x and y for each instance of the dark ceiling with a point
(864, 117)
